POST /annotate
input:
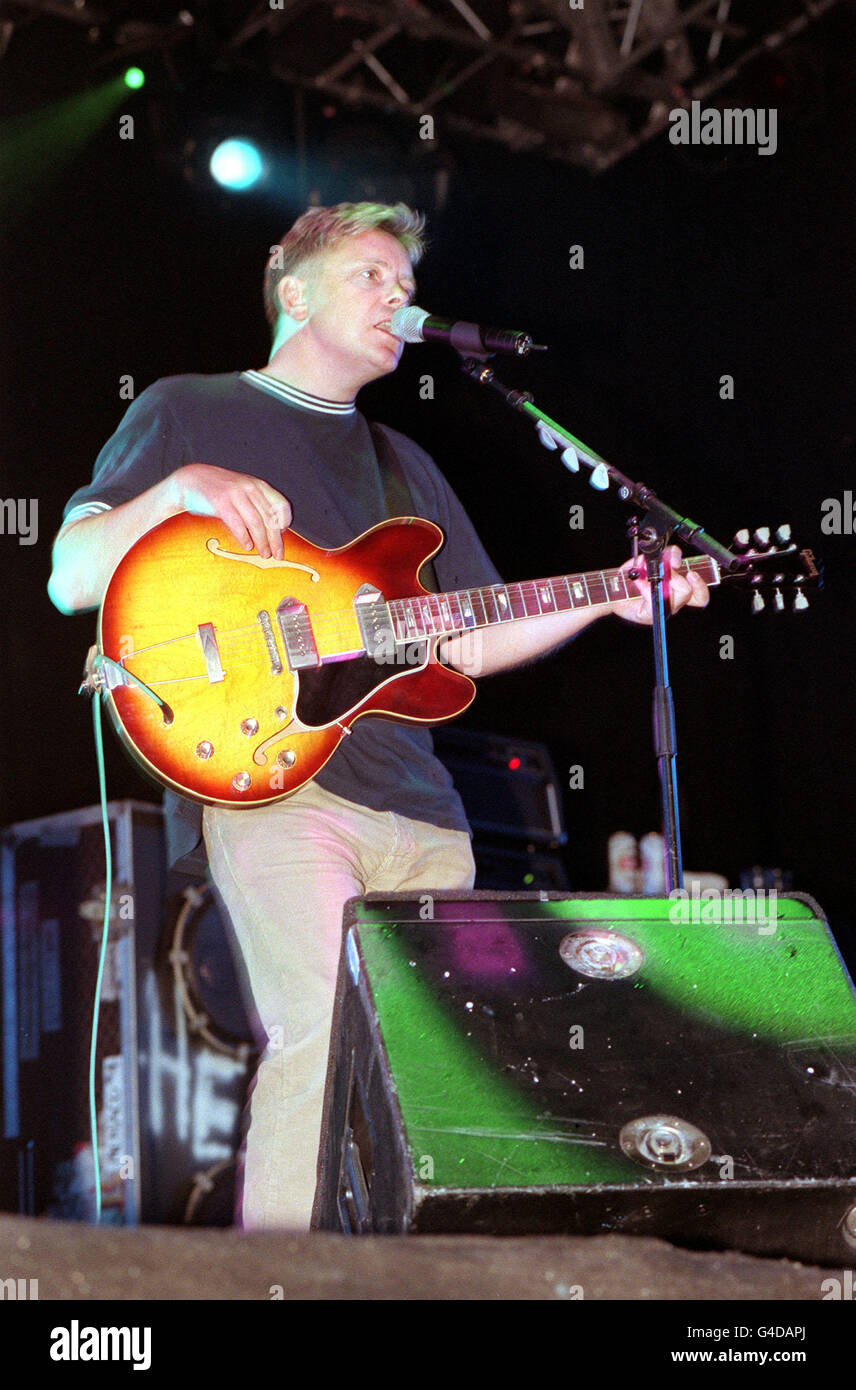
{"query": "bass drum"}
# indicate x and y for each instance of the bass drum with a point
(212, 1198)
(206, 977)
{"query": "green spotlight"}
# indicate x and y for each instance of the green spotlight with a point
(134, 78)
(37, 147)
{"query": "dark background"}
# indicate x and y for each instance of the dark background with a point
(698, 263)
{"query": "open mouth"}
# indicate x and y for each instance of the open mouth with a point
(385, 329)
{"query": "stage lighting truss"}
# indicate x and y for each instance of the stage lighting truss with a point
(583, 82)
(586, 81)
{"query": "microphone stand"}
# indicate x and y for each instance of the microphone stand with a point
(658, 524)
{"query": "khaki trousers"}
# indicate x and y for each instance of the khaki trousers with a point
(283, 873)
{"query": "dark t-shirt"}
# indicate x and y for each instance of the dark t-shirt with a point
(322, 458)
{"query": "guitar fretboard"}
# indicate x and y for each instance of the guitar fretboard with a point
(430, 615)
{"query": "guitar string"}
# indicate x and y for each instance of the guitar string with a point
(335, 631)
(525, 588)
(233, 655)
(328, 633)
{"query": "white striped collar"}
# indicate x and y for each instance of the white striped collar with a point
(294, 396)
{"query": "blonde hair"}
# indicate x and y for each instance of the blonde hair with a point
(320, 228)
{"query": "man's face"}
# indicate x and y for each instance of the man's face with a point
(351, 291)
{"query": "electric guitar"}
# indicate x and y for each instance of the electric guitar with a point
(233, 678)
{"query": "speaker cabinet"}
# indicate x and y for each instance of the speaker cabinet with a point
(508, 785)
(514, 807)
(546, 1063)
(175, 1048)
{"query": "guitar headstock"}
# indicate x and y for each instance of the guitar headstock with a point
(771, 564)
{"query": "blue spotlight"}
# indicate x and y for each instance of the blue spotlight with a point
(237, 165)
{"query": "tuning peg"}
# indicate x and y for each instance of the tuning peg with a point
(740, 542)
(800, 601)
(570, 459)
(783, 535)
(761, 537)
(778, 601)
(600, 478)
(757, 603)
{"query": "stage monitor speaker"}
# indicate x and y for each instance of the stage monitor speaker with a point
(546, 1064)
(175, 1048)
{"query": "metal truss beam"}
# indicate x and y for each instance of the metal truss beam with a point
(587, 81)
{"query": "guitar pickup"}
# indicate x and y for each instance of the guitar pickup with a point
(298, 638)
(375, 623)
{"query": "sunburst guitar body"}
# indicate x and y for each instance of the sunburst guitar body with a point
(233, 678)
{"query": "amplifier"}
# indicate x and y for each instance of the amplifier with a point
(516, 869)
(53, 878)
(175, 1048)
(508, 785)
(547, 1063)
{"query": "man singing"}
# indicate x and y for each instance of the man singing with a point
(264, 450)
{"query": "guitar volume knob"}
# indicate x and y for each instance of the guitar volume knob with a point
(205, 749)
(242, 781)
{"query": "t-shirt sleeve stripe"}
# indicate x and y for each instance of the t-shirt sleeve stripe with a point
(86, 509)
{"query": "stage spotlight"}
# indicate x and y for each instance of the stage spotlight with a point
(134, 78)
(236, 165)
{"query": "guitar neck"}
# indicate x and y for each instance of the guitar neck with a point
(430, 615)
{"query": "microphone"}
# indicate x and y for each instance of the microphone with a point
(414, 325)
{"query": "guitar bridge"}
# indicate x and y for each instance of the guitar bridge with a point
(211, 652)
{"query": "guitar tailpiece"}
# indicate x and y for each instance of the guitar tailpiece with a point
(92, 678)
(102, 674)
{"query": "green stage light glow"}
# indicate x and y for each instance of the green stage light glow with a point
(38, 147)
(770, 971)
(134, 78)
